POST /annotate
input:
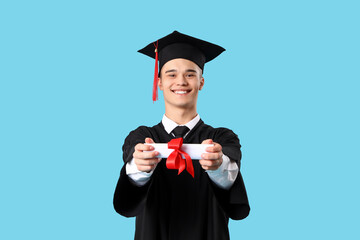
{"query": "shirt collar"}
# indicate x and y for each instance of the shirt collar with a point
(169, 124)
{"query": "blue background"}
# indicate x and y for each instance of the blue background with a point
(72, 86)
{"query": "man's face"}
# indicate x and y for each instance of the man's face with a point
(180, 82)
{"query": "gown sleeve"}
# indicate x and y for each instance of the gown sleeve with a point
(129, 198)
(234, 201)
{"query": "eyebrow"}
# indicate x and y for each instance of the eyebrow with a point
(171, 70)
(188, 70)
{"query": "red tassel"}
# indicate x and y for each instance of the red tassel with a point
(156, 74)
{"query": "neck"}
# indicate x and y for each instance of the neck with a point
(180, 115)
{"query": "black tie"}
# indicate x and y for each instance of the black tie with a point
(180, 131)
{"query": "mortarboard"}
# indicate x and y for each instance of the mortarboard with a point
(178, 45)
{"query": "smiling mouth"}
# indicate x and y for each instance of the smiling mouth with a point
(181, 92)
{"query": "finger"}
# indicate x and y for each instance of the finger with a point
(149, 140)
(207, 141)
(210, 168)
(145, 168)
(142, 147)
(209, 163)
(212, 156)
(145, 155)
(216, 148)
(147, 162)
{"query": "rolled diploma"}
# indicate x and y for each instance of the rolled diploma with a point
(194, 150)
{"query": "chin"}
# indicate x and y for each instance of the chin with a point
(183, 105)
(176, 102)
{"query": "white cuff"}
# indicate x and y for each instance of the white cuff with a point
(225, 176)
(138, 177)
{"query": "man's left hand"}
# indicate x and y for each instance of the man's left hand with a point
(212, 159)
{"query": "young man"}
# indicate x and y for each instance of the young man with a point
(169, 206)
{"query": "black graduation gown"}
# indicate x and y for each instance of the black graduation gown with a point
(172, 206)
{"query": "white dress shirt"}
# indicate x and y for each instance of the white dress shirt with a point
(224, 177)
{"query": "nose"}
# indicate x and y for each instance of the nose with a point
(181, 80)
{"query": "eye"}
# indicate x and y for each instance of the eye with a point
(190, 75)
(171, 75)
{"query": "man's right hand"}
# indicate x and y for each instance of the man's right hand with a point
(145, 161)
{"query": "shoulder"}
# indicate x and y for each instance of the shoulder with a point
(218, 132)
(143, 131)
(140, 133)
(140, 130)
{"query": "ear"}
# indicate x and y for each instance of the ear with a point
(160, 84)
(202, 82)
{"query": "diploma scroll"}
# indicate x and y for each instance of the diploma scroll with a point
(194, 150)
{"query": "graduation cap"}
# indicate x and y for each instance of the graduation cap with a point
(178, 45)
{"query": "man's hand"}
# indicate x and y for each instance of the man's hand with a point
(145, 161)
(213, 158)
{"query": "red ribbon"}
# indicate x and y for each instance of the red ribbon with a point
(175, 160)
(156, 74)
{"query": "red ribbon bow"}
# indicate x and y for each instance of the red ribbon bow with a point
(175, 160)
